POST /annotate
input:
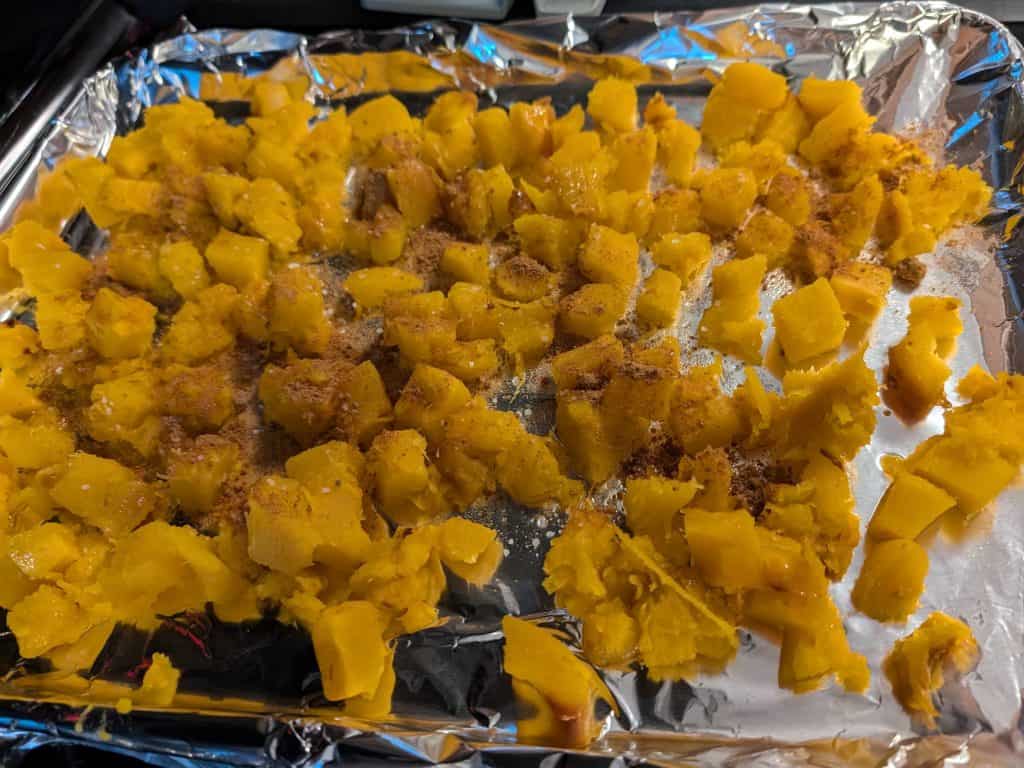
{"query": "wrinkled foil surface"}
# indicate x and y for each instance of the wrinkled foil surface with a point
(250, 694)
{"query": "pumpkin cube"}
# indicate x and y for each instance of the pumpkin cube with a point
(788, 197)
(675, 210)
(103, 493)
(380, 241)
(522, 279)
(786, 126)
(414, 186)
(731, 324)
(685, 255)
(119, 327)
(44, 261)
(493, 130)
(348, 640)
(766, 233)
(548, 239)
(589, 365)
(755, 85)
(820, 97)
(406, 488)
(296, 315)
(581, 430)
(891, 580)
(531, 130)
(46, 619)
(634, 154)
(726, 120)
(678, 143)
(726, 195)
(593, 310)
(725, 548)
(301, 397)
(909, 506)
(364, 408)
(45, 551)
(370, 287)
(428, 398)
(201, 398)
(278, 525)
(223, 191)
(469, 360)
(467, 262)
(611, 104)
(809, 322)
(971, 472)
(861, 290)
(184, 268)
(529, 473)
(34, 444)
(377, 118)
(658, 303)
(854, 213)
(268, 210)
(835, 131)
(196, 476)
(610, 257)
(238, 259)
(419, 324)
(200, 329)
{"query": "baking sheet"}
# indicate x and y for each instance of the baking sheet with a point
(948, 75)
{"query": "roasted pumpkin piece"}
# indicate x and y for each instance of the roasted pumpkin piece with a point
(406, 487)
(16, 397)
(763, 159)
(196, 475)
(802, 338)
(184, 268)
(969, 470)
(701, 415)
(634, 154)
(611, 104)
(556, 691)
(377, 118)
(531, 130)
(918, 663)
(725, 548)
(916, 375)
(379, 241)
(348, 640)
(419, 324)
(657, 306)
(267, 209)
(678, 143)
(819, 97)
(364, 408)
(853, 214)
(655, 508)
(493, 130)
(370, 287)
(202, 328)
(726, 120)
(788, 197)
(120, 326)
(278, 522)
(578, 174)
(731, 324)
(18, 346)
(126, 408)
(684, 254)
(201, 398)
(295, 311)
(548, 239)
(522, 279)
(593, 310)
(754, 84)
(674, 210)
(766, 233)
(589, 365)
(103, 493)
(582, 431)
(891, 580)
(829, 410)
(726, 195)
(45, 262)
(529, 473)
(414, 186)
(36, 443)
(786, 126)
(467, 262)
(301, 397)
(45, 551)
(470, 550)
(610, 257)
(46, 619)
(910, 505)
(833, 132)
(429, 397)
(238, 259)
(860, 290)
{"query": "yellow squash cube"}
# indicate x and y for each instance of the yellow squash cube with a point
(611, 104)
(658, 303)
(726, 195)
(731, 324)
(370, 287)
(593, 310)
(686, 255)
(766, 233)
(467, 262)
(119, 327)
(809, 322)
(891, 580)
(238, 259)
(909, 506)
(610, 257)
(103, 493)
(184, 268)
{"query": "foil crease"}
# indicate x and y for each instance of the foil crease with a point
(250, 693)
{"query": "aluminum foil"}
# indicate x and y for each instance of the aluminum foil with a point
(250, 693)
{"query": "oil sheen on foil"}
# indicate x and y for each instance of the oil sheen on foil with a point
(249, 695)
